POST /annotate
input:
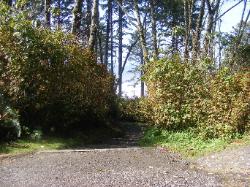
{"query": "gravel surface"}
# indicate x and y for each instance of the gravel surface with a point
(119, 162)
(121, 167)
(233, 165)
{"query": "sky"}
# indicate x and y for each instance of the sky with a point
(229, 20)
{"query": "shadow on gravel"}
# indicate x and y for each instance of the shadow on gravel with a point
(130, 135)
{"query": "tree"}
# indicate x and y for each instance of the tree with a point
(154, 30)
(77, 16)
(47, 6)
(197, 32)
(213, 8)
(94, 24)
(141, 32)
(120, 47)
(108, 28)
(188, 15)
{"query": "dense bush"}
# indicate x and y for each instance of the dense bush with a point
(130, 109)
(183, 95)
(53, 81)
(9, 125)
(226, 107)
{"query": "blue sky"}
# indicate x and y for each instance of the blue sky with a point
(229, 20)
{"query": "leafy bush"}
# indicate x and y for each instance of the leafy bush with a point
(51, 78)
(131, 109)
(183, 96)
(227, 105)
(9, 124)
(173, 88)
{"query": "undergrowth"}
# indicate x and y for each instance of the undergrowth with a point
(188, 143)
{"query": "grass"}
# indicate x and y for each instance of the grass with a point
(31, 145)
(187, 143)
(38, 143)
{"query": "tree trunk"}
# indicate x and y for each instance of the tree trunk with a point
(212, 9)
(100, 45)
(197, 34)
(93, 26)
(145, 58)
(47, 13)
(111, 44)
(142, 73)
(186, 29)
(242, 26)
(141, 32)
(88, 17)
(120, 35)
(59, 21)
(108, 32)
(154, 30)
(188, 13)
(77, 16)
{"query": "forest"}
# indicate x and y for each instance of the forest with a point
(63, 65)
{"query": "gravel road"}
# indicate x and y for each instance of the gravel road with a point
(119, 162)
(233, 165)
(121, 167)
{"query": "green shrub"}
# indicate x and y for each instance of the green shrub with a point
(130, 109)
(173, 88)
(183, 96)
(9, 125)
(53, 81)
(227, 106)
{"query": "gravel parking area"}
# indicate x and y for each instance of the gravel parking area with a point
(120, 162)
(121, 167)
(233, 166)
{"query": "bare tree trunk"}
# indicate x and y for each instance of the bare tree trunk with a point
(100, 46)
(141, 32)
(77, 16)
(188, 13)
(197, 34)
(242, 26)
(93, 26)
(142, 73)
(47, 13)
(212, 9)
(154, 30)
(120, 35)
(59, 21)
(111, 44)
(145, 58)
(108, 32)
(88, 17)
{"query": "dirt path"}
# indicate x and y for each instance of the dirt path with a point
(117, 162)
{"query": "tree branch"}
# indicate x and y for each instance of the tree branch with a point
(228, 10)
(128, 54)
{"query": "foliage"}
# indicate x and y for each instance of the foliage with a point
(189, 143)
(9, 125)
(183, 96)
(31, 145)
(237, 48)
(226, 106)
(172, 89)
(131, 109)
(39, 142)
(51, 78)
